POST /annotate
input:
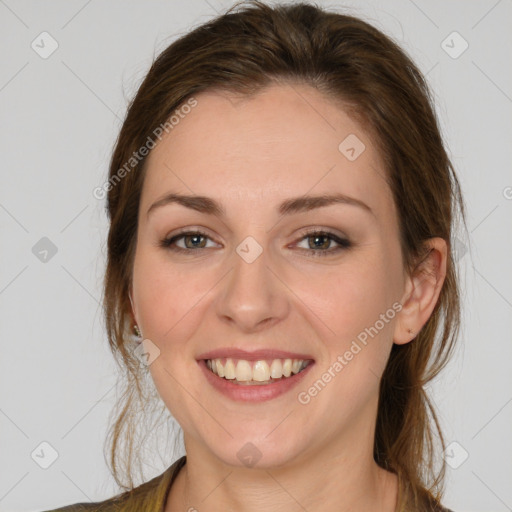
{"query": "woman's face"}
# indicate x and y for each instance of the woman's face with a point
(253, 279)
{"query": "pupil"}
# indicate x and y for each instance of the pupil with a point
(194, 239)
(317, 238)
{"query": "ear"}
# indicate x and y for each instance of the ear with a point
(422, 291)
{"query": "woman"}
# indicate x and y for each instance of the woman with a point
(281, 214)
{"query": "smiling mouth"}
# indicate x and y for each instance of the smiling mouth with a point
(254, 373)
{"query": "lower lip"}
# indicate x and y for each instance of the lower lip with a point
(254, 393)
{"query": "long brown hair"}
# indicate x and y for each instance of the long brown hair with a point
(361, 69)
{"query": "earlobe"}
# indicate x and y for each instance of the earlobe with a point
(423, 289)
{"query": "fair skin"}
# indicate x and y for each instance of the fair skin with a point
(250, 154)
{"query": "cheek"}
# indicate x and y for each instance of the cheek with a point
(353, 307)
(169, 297)
(169, 306)
(347, 299)
(157, 298)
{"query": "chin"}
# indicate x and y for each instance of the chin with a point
(258, 452)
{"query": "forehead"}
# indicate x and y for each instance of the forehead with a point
(287, 140)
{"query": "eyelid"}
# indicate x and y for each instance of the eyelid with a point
(311, 230)
(307, 230)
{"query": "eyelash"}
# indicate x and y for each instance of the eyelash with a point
(343, 243)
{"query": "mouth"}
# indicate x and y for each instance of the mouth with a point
(254, 376)
(256, 373)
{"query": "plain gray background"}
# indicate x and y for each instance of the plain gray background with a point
(60, 117)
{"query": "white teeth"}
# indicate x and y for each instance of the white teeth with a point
(259, 371)
(276, 369)
(243, 371)
(287, 367)
(229, 369)
(218, 368)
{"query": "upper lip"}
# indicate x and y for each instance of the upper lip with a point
(255, 355)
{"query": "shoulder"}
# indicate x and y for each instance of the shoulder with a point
(149, 496)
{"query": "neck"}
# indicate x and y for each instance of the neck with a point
(319, 482)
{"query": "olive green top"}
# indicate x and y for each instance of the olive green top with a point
(148, 497)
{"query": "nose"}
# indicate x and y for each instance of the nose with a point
(252, 297)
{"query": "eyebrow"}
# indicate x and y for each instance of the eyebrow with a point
(300, 204)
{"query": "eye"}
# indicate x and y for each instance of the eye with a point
(193, 240)
(319, 243)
